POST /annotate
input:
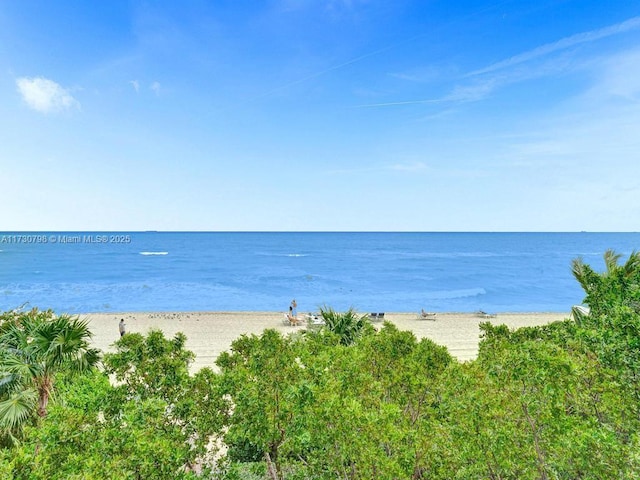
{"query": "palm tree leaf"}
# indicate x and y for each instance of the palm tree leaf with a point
(348, 326)
(632, 265)
(20, 365)
(38, 344)
(611, 259)
(83, 360)
(16, 409)
(62, 340)
(10, 382)
(13, 335)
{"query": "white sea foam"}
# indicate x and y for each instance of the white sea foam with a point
(154, 253)
(273, 254)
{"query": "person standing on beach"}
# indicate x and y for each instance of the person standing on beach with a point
(293, 313)
(122, 327)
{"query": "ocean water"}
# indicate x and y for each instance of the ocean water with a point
(82, 272)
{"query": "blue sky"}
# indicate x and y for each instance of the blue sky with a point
(320, 115)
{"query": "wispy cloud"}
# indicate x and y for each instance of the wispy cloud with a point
(592, 134)
(484, 81)
(620, 75)
(320, 73)
(45, 96)
(156, 88)
(425, 74)
(409, 167)
(407, 102)
(461, 93)
(580, 38)
(135, 84)
(329, 6)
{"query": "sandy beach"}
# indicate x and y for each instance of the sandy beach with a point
(210, 333)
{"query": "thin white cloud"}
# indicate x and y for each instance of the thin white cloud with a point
(329, 6)
(585, 37)
(155, 86)
(505, 72)
(425, 74)
(45, 96)
(135, 84)
(467, 93)
(409, 167)
(621, 75)
(407, 102)
(589, 137)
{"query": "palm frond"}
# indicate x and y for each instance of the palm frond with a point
(15, 372)
(14, 335)
(35, 345)
(9, 382)
(16, 409)
(82, 361)
(611, 259)
(348, 325)
(61, 339)
(578, 268)
(632, 265)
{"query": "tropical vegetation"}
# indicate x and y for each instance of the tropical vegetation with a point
(345, 401)
(34, 346)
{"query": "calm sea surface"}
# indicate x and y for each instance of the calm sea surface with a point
(386, 272)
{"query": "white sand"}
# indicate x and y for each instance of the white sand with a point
(210, 333)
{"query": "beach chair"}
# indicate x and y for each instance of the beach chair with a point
(426, 315)
(314, 319)
(315, 322)
(373, 316)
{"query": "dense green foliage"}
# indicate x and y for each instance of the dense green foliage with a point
(560, 401)
(34, 346)
(152, 422)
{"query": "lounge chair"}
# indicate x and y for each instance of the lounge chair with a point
(315, 322)
(426, 315)
(314, 319)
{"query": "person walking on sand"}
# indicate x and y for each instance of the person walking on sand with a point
(294, 308)
(122, 327)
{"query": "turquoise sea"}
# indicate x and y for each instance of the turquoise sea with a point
(82, 272)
